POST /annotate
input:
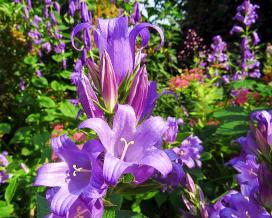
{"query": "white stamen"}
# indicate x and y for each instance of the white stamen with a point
(80, 169)
(125, 147)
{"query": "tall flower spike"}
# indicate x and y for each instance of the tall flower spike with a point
(109, 86)
(138, 92)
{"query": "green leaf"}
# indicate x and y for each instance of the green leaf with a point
(39, 82)
(57, 86)
(25, 151)
(41, 139)
(68, 110)
(5, 210)
(131, 189)
(45, 101)
(4, 128)
(244, 84)
(128, 214)
(60, 57)
(109, 212)
(23, 134)
(206, 156)
(30, 60)
(42, 207)
(10, 190)
(232, 128)
(32, 118)
(65, 74)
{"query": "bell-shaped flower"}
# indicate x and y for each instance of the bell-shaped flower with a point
(114, 36)
(78, 175)
(130, 148)
(87, 97)
(172, 131)
(109, 87)
(92, 209)
(138, 92)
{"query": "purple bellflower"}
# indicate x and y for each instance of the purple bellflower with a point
(189, 151)
(113, 36)
(130, 149)
(79, 208)
(75, 177)
(246, 13)
(4, 176)
(172, 131)
(238, 206)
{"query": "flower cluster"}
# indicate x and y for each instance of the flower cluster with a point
(184, 80)
(118, 100)
(242, 96)
(246, 15)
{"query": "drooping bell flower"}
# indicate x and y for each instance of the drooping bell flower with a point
(57, 7)
(256, 38)
(130, 148)
(138, 92)
(87, 97)
(29, 4)
(36, 20)
(113, 36)
(172, 131)
(47, 46)
(84, 12)
(75, 177)
(108, 82)
(236, 29)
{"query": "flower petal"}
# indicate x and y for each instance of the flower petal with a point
(103, 131)
(52, 174)
(141, 29)
(62, 201)
(141, 173)
(157, 159)
(124, 122)
(93, 148)
(61, 144)
(113, 168)
(114, 39)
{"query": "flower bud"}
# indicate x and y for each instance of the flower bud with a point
(109, 86)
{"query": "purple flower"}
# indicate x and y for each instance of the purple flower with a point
(4, 176)
(84, 12)
(109, 86)
(53, 18)
(57, 7)
(248, 174)
(29, 5)
(60, 48)
(39, 73)
(236, 205)
(113, 36)
(236, 29)
(136, 16)
(79, 208)
(246, 13)
(87, 97)
(256, 38)
(22, 84)
(218, 51)
(138, 92)
(130, 149)
(172, 131)
(262, 130)
(35, 36)
(73, 6)
(3, 159)
(47, 46)
(265, 185)
(189, 151)
(36, 20)
(75, 177)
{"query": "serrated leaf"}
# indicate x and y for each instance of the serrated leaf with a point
(11, 189)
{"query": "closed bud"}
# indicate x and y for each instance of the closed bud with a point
(108, 82)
